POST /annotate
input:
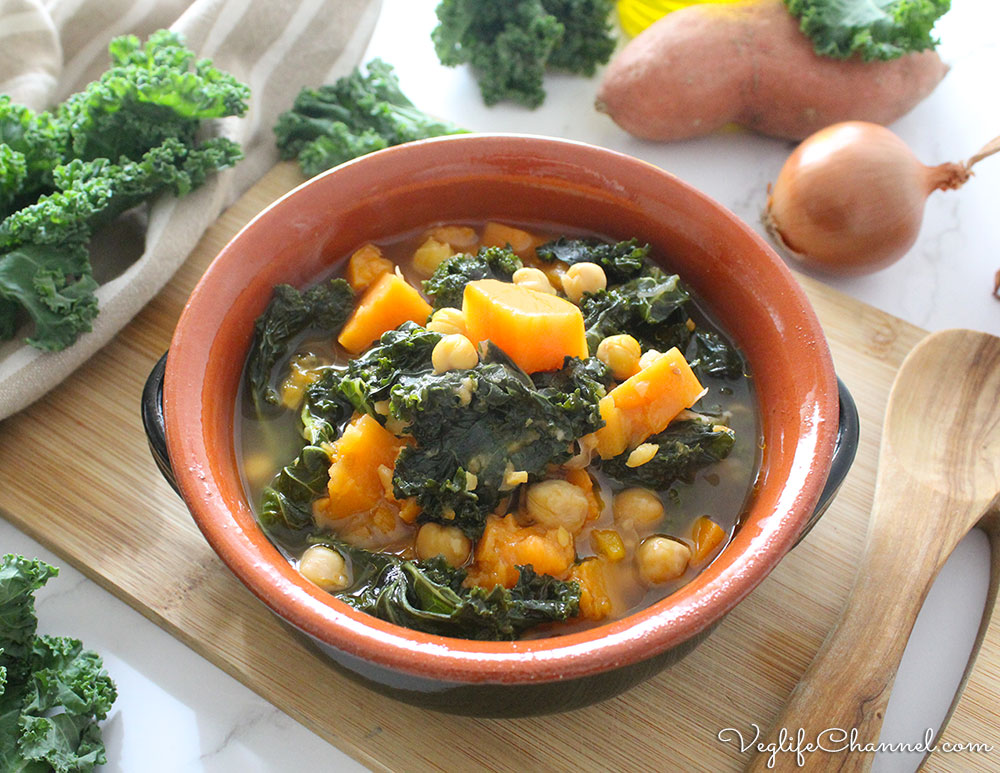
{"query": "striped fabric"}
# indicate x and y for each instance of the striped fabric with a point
(49, 50)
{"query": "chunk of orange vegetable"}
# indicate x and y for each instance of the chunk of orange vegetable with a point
(608, 543)
(581, 479)
(535, 329)
(595, 602)
(707, 536)
(460, 237)
(500, 235)
(646, 403)
(387, 304)
(505, 545)
(365, 266)
(356, 484)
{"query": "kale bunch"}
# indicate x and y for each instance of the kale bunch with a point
(125, 139)
(359, 114)
(447, 284)
(511, 43)
(621, 261)
(688, 444)
(324, 308)
(870, 29)
(53, 692)
(429, 596)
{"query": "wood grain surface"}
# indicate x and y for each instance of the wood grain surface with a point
(76, 475)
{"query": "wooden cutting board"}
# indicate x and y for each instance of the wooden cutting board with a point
(76, 475)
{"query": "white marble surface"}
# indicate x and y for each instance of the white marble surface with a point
(177, 712)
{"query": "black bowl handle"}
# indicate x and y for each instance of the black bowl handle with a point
(843, 455)
(152, 420)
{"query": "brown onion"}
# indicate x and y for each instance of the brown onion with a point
(850, 198)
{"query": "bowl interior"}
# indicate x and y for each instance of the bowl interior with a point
(526, 179)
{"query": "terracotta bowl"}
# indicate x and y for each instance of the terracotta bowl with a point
(517, 178)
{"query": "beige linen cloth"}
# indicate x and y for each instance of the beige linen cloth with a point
(52, 48)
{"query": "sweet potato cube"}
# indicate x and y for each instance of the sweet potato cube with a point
(355, 485)
(646, 403)
(388, 303)
(535, 329)
(707, 536)
(366, 265)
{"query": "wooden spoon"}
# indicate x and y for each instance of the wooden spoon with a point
(938, 476)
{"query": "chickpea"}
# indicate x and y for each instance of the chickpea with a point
(454, 352)
(639, 505)
(583, 278)
(648, 357)
(324, 567)
(621, 354)
(557, 503)
(534, 279)
(661, 559)
(433, 539)
(641, 454)
(447, 321)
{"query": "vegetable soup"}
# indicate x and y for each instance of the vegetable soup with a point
(496, 431)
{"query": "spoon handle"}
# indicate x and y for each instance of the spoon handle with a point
(841, 699)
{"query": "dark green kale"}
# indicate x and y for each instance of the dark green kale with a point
(511, 44)
(710, 354)
(359, 114)
(399, 354)
(871, 29)
(52, 691)
(125, 139)
(474, 427)
(326, 408)
(621, 261)
(429, 596)
(323, 308)
(689, 443)
(576, 389)
(649, 308)
(286, 505)
(449, 279)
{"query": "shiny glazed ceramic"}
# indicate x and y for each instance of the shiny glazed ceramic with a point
(518, 179)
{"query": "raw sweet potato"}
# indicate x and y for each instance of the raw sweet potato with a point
(707, 65)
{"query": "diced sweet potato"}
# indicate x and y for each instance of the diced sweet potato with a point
(535, 329)
(707, 536)
(646, 403)
(500, 235)
(365, 266)
(505, 545)
(595, 602)
(387, 304)
(355, 483)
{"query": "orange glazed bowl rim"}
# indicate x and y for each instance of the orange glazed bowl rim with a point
(298, 236)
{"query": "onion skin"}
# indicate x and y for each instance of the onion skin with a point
(850, 199)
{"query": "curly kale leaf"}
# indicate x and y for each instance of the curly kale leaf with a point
(399, 354)
(472, 427)
(150, 93)
(326, 409)
(689, 443)
(31, 146)
(621, 261)
(52, 691)
(53, 286)
(710, 354)
(871, 29)
(324, 308)
(429, 596)
(511, 44)
(359, 114)
(649, 308)
(576, 389)
(449, 279)
(286, 505)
